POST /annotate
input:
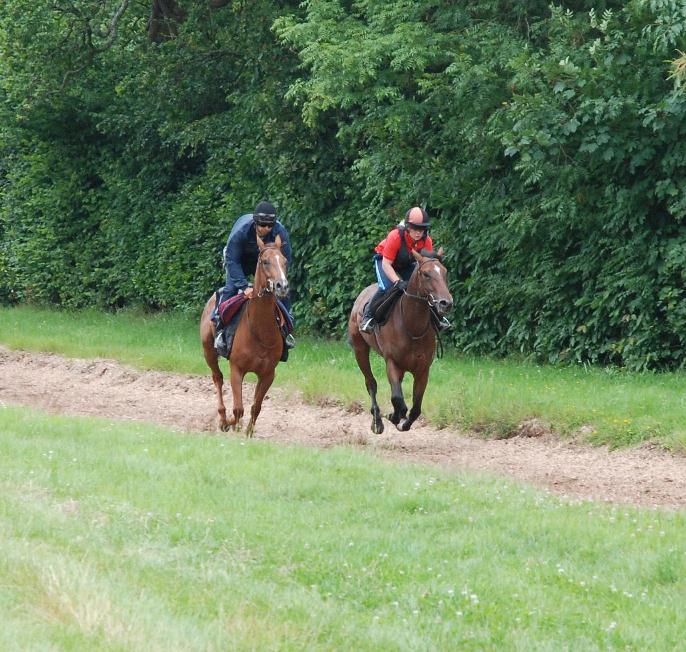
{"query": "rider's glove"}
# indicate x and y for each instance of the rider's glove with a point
(400, 285)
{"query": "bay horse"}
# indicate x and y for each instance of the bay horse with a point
(407, 341)
(257, 344)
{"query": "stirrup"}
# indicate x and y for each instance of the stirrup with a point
(289, 341)
(222, 345)
(367, 325)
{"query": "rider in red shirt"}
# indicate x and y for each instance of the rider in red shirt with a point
(393, 261)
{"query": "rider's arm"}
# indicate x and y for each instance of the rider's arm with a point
(286, 243)
(234, 251)
(391, 246)
(387, 266)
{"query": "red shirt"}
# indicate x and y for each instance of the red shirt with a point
(390, 246)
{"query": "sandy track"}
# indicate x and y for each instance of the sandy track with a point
(642, 476)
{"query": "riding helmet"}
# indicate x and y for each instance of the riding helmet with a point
(418, 217)
(264, 214)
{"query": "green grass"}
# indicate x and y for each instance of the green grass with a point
(489, 396)
(126, 537)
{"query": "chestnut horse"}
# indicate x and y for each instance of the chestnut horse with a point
(257, 345)
(407, 341)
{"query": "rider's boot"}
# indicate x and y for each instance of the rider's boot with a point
(367, 323)
(219, 335)
(288, 344)
(223, 340)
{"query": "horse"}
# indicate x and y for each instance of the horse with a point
(407, 341)
(257, 344)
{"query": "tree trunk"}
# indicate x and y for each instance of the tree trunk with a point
(165, 15)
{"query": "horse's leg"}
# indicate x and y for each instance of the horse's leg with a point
(237, 391)
(419, 385)
(361, 349)
(218, 381)
(263, 384)
(395, 378)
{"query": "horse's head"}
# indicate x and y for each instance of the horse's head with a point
(429, 281)
(270, 275)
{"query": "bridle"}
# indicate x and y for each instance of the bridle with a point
(269, 286)
(267, 289)
(428, 298)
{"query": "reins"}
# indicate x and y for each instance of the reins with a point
(267, 289)
(430, 300)
(404, 323)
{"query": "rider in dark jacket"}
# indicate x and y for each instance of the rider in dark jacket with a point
(241, 252)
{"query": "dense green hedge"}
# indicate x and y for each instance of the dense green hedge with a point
(547, 142)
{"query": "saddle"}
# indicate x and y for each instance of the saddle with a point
(384, 308)
(229, 312)
(382, 311)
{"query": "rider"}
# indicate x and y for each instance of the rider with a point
(240, 259)
(394, 263)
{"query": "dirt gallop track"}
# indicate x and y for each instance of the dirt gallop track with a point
(104, 388)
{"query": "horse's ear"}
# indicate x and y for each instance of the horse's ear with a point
(439, 253)
(277, 241)
(260, 242)
(417, 256)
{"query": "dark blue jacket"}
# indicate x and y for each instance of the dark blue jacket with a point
(240, 256)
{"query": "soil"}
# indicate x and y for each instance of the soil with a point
(646, 475)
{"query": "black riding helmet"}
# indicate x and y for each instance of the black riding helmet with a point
(264, 214)
(417, 217)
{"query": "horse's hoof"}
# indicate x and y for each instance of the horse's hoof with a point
(224, 427)
(377, 427)
(403, 426)
(393, 418)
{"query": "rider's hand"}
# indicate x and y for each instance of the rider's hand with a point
(248, 292)
(400, 285)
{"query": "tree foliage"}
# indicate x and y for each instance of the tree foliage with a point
(546, 141)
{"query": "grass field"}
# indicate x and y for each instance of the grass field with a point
(489, 396)
(127, 537)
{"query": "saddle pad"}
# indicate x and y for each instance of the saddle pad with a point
(228, 309)
(383, 310)
(283, 317)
